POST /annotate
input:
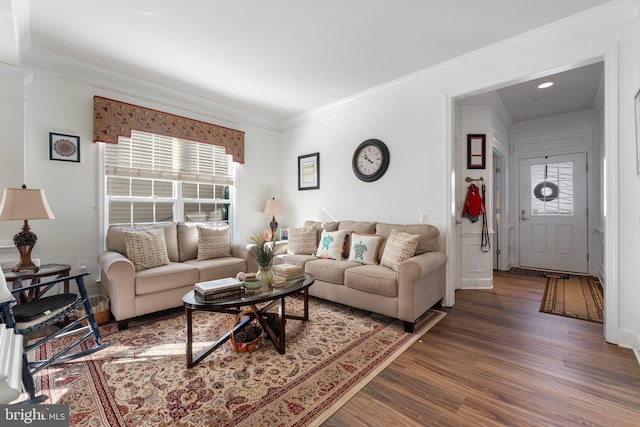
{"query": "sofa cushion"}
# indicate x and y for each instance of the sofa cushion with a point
(219, 268)
(400, 247)
(302, 241)
(375, 279)
(115, 237)
(188, 238)
(331, 244)
(429, 234)
(320, 227)
(299, 260)
(329, 270)
(146, 248)
(364, 248)
(213, 242)
(362, 227)
(164, 278)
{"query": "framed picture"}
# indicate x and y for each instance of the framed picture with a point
(476, 151)
(637, 104)
(63, 147)
(309, 172)
(284, 234)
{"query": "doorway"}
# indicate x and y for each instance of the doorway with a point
(601, 186)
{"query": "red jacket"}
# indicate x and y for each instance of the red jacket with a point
(473, 205)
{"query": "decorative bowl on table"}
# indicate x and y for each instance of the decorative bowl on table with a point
(252, 284)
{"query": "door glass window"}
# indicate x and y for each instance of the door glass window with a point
(552, 189)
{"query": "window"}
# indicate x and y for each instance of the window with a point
(552, 189)
(153, 178)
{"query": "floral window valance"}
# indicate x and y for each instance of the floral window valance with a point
(112, 119)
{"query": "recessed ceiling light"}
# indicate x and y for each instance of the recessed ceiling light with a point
(545, 85)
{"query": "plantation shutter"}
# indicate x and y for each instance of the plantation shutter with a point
(150, 156)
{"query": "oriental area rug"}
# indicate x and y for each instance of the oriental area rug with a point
(572, 295)
(141, 378)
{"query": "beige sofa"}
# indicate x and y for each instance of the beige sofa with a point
(405, 294)
(146, 291)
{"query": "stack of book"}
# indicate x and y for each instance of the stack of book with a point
(286, 273)
(216, 289)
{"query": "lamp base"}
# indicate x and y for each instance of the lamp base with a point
(25, 262)
(25, 241)
(274, 227)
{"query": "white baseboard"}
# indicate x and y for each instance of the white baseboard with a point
(631, 340)
(484, 283)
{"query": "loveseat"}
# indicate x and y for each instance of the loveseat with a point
(140, 277)
(402, 283)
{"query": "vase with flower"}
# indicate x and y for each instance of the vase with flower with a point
(262, 249)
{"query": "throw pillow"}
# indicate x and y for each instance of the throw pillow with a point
(364, 248)
(146, 248)
(331, 244)
(213, 242)
(302, 241)
(400, 247)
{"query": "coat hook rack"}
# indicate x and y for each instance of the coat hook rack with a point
(468, 179)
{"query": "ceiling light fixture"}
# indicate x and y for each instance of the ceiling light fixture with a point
(545, 85)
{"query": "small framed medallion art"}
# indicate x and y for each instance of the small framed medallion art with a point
(63, 147)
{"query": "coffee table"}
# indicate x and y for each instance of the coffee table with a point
(232, 305)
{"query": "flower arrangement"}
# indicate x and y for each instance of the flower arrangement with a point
(263, 247)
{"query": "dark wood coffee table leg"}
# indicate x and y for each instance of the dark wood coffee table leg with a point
(281, 324)
(188, 314)
(193, 361)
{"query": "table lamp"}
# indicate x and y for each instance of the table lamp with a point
(24, 204)
(273, 208)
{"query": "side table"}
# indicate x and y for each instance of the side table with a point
(16, 278)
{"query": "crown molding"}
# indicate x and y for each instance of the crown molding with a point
(493, 101)
(619, 13)
(16, 71)
(111, 81)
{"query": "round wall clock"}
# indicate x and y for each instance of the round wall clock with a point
(370, 160)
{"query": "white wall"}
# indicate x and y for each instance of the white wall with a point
(414, 117)
(55, 103)
(412, 130)
(12, 106)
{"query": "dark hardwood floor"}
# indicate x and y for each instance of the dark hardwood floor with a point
(496, 360)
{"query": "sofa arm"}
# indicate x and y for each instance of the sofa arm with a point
(421, 265)
(118, 278)
(239, 251)
(421, 284)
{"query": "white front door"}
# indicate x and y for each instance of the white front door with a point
(553, 213)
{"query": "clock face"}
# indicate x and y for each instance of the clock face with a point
(370, 160)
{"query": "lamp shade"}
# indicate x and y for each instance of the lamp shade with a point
(273, 207)
(24, 203)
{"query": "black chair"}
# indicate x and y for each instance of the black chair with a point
(39, 314)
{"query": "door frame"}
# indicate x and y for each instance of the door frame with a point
(610, 57)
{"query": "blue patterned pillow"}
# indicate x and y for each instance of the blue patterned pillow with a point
(364, 248)
(331, 244)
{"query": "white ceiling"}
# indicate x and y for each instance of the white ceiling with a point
(277, 58)
(572, 90)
